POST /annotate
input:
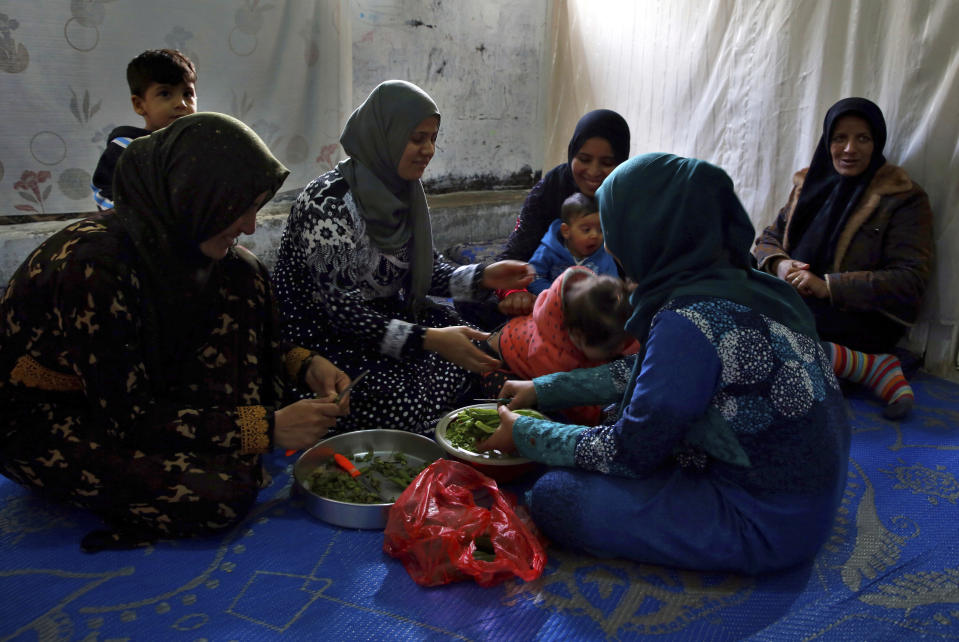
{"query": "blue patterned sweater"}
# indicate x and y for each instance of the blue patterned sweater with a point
(782, 421)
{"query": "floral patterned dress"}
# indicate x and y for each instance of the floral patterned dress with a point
(343, 297)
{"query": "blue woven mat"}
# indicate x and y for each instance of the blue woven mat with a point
(889, 572)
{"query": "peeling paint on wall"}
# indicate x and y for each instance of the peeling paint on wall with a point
(491, 135)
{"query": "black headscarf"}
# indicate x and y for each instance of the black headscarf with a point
(173, 190)
(828, 198)
(605, 124)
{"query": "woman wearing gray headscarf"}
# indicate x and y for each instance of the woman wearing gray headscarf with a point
(357, 264)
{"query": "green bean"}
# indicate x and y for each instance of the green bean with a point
(470, 427)
(334, 483)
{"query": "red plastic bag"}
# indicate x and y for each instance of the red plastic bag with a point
(434, 525)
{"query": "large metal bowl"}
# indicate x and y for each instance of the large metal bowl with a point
(417, 448)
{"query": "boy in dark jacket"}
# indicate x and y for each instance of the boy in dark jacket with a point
(162, 88)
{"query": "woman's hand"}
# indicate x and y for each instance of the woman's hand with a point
(808, 284)
(797, 274)
(325, 379)
(502, 439)
(785, 267)
(522, 393)
(517, 303)
(455, 344)
(303, 423)
(508, 275)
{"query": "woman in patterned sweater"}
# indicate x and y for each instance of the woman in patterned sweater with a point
(140, 370)
(356, 266)
(730, 449)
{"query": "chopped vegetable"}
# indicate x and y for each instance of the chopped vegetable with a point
(332, 482)
(474, 425)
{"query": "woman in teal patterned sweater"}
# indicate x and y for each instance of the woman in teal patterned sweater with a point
(729, 451)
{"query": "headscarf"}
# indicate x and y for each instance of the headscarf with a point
(393, 208)
(828, 198)
(679, 229)
(605, 124)
(175, 189)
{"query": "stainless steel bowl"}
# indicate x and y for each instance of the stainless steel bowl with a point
(417, 449)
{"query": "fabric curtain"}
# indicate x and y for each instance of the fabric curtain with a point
(280, 66)
(746, 84)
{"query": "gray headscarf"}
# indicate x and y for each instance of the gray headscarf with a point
(394, 209)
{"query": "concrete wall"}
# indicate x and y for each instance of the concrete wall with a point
(486, 66)
(457, 218)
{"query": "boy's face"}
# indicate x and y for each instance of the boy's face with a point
(161, 104)
(583, 235)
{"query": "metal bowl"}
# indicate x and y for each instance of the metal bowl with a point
(417, 449)
(498, 466)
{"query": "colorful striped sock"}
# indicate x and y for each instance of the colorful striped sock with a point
(881, 373)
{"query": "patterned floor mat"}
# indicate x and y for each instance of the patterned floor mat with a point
(889, 572)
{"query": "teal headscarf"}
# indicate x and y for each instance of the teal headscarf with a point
(393, 208)
(678, 228)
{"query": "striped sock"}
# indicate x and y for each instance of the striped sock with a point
(881, 373)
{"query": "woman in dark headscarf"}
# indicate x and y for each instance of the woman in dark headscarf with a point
(600, 142)
(729, 452)
(356, 266)
(140, 371)
(855, 240)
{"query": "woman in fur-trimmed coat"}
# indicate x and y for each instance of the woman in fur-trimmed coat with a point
(855, 238)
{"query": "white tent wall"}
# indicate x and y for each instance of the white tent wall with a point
(746, 84)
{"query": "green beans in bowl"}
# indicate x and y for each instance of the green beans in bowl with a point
(460, 430)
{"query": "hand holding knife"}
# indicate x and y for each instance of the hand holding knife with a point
(339, 397)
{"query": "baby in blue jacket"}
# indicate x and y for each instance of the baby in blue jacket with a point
(573, 239)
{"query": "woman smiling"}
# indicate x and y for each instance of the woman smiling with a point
(356, 268)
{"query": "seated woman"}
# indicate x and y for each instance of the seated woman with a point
(139, 363)
(600, 142)
(356, 265)
(731, 446)
(855, 240)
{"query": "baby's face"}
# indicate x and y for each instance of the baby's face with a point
(584, 235)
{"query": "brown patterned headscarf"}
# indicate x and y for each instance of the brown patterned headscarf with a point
(175, 189)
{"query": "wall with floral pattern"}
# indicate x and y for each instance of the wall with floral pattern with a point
(292, 69)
